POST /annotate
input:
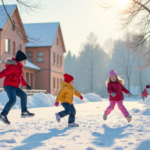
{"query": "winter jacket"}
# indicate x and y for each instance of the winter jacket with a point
(66, 93)
(117, 88)
(13, 73)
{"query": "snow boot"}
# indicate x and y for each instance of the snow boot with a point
(57, 117)
(105, 116)
(27, 114)
(73, 125)
(129, 118)
(4, 119)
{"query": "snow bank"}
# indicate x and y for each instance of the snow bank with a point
(46, 100)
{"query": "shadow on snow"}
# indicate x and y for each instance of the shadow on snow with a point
(110, 134)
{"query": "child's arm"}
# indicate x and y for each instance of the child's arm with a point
(7, 71)
(23, 82)
(123, 89)
(76, 93)
(60, 94)
(109, 89)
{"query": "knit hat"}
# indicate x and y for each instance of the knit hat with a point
(112, 73)
(21, 56)
(68, 78)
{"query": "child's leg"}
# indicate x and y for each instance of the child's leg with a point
(67, 110)
(122, 108)
(72, 114)
(20, 93)
(11, 92)
(110, 108)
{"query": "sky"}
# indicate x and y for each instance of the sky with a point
(77, 19)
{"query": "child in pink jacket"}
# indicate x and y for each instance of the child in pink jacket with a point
(115, 88)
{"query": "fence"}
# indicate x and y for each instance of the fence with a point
(29, 92)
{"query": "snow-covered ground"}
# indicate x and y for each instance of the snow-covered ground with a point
(43, 132)
(46, 100)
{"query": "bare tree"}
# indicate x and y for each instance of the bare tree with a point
(91, 60)
(141, 76)
(137, 13)
(27, 6)
(123, 60)
(108, 46)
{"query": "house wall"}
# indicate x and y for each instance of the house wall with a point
(8, 33)
(57, 70)
(42, 78)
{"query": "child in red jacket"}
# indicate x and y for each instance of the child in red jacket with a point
(13, 78)
(115, 88)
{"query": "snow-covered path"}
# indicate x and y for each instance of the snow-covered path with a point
(43, 132)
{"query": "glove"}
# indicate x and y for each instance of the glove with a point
(113, 94)
(81, 97)
(28, 87)
(147, 86)
(56, 104)
(130, 94)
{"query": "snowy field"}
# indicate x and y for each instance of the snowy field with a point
(43, 132)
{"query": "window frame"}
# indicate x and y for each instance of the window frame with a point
(7, 46)
(20, 47)
(14, 47)
(60, 60)
(54, 58)
(54, 83)
(40, 57)
(30, 56)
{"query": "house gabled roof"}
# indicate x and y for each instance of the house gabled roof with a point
(44, 32)
(3, 16)
(31, 66)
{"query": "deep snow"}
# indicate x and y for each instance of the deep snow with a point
(43, 132)
(46, 100)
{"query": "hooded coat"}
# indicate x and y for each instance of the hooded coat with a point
(13, 73)
(66, 93)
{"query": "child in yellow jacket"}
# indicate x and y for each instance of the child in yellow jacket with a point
(65, 96)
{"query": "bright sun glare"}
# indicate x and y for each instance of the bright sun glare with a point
(123, 2)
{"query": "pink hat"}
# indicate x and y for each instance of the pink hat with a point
(112, 73)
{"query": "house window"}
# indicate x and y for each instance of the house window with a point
(57, 59)
(14, 45)
(57, 41)
(40, 57)
(30, 56)
(53, 83)
(60, 60)
(60, 81)
(27, 77)
(13, 26)
(57, 83)
(7, 45)
(19, 47)
(53, 58)
(31, 80)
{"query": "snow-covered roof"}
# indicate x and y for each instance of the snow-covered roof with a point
(31, 65)
(44, 32)
(3, 16)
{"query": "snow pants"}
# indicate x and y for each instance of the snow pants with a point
(69, 110)
(120, 106)
(12, 92)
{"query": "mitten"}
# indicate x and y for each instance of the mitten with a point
(81, 97)
(147, 86)
(28, 87)
(130, 94)
(56, 104)
(113, 94)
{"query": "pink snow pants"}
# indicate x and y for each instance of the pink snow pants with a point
(120, 106)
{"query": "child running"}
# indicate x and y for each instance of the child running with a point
(13, 78)
(65, 96)
(115, 88)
